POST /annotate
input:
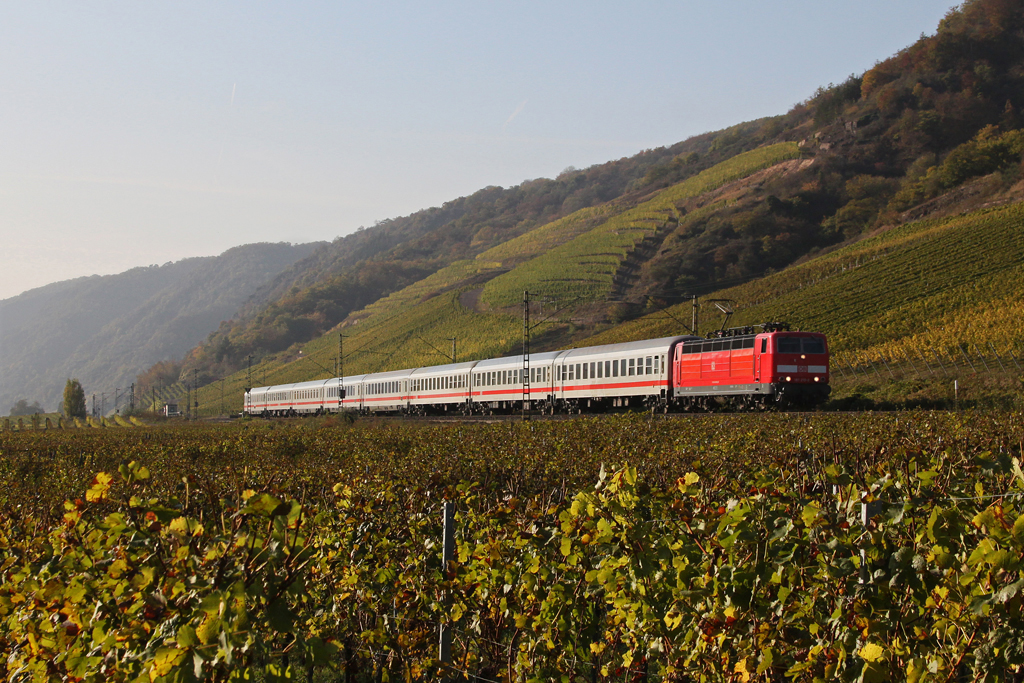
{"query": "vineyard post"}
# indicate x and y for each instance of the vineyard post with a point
(444, 646)
(982, 357)
(951, 358)
(840, 366)
(195, 385)
(967, 358)
(868, 509)
(874, 366)
(938, 359)
(1014, 358)
(906, 354)
(996, 354)
(925, 361)
(882, 358)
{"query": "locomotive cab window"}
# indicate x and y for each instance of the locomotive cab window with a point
(788, 344)
(812, 345)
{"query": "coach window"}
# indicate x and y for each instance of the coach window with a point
(572, 374)
(632, 367)
(650, 366)
(615, 368)
(600, 370)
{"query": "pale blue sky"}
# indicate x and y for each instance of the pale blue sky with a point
(139, 133)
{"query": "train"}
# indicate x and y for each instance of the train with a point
(750, 368)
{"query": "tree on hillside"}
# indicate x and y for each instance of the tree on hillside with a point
(22, 407)
(74, 399)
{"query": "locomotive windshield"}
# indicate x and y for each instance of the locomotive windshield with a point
(801, 345)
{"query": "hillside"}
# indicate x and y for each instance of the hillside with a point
(927, 134)
(105, 330)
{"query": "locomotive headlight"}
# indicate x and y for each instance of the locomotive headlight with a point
(788, 378)
(817, 379)
(803, 356)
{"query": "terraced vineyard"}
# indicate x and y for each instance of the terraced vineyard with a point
(584, 267)
(772, 547)
(921, 285)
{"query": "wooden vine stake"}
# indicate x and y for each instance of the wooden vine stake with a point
(444, 647)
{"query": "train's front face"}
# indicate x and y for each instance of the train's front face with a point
(799, 364)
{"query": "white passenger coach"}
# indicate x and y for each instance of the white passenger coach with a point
(614, 375)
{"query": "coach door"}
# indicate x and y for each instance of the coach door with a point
(760, 349)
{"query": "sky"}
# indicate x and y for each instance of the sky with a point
(141, 133)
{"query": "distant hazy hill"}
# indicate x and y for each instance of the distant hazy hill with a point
(105, 330)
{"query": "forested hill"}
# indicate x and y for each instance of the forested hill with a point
(931, 131)
(105, 329)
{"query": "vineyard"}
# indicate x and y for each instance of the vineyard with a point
(949, 281)
(719, 548)
(584, 267)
